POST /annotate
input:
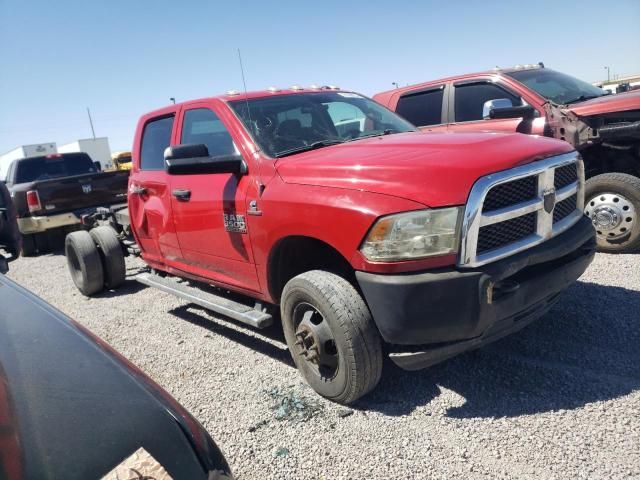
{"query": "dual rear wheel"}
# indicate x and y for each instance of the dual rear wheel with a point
(95, 259)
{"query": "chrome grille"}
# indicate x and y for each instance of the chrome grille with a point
(506, 212)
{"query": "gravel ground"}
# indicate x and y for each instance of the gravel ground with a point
(560, 399)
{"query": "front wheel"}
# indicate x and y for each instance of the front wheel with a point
(331, 336)
(612, 201)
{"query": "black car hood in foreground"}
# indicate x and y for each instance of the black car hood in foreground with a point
(71, 407)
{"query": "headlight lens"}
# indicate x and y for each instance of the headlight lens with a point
(411, 235)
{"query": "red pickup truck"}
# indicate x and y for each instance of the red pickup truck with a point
(370, 236)
(532, 99)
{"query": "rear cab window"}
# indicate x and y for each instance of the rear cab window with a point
(422, 108)
(156, 137)
(469, 99)
(53, 166)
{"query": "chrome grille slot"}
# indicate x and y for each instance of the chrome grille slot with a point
(516, 209)
(510, 193)
(564, 208)
(565, 176)
(496, 235)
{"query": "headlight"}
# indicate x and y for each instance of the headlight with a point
(412, 235)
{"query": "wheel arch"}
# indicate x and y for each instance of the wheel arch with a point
(296, 254)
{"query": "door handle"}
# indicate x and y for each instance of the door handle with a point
(138, 190)
(182, 194)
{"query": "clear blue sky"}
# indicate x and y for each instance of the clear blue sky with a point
(122, 58)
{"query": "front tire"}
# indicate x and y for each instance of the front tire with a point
(331, 336)
(612, 201)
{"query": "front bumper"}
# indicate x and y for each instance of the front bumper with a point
(428, 317)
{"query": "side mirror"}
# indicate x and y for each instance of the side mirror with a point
(526, 112)
(496, 104)
(192, 159)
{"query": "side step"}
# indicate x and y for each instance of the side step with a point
(224, 306)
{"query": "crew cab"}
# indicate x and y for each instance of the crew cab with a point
(370, 236)
(52, 193)
(532, 99)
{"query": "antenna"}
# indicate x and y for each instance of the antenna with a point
(93, 132)
(244, 83)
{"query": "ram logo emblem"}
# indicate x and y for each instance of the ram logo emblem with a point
(549, 199)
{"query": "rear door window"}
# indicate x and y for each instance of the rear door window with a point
(202, 126)
(422, 108)
(155, 139)
(470, 98)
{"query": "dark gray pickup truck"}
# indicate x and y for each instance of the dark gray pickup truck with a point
(52, 193)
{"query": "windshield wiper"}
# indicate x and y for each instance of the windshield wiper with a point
(386, 131)
(306, 148)
(582, 98)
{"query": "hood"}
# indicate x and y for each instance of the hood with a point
(619, 102)
(432, 169)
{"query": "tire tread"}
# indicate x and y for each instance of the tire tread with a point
(365, 358)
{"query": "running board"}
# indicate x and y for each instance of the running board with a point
(238, 311)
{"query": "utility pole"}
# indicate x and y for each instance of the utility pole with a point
(608, 74)
(91, 123)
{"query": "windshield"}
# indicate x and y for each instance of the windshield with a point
(55, 166)
(287, 124)
(556, 86)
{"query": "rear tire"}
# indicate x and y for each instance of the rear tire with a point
(28, 245)
(84, 262)
(331, 336)
(111, 255)
(612, 201)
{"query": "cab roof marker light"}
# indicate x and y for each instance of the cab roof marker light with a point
(296, 88)
(314, 87)
(274, 89)
(334, 87)
(233, 93)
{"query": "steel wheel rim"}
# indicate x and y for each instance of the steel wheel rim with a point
(613, 215)
(315, 343)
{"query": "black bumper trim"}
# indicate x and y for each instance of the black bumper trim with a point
(469, 307)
